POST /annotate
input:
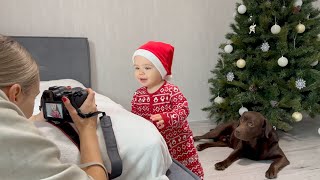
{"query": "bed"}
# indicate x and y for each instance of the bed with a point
(66, 62)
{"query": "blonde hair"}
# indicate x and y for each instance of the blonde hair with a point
(16, 65)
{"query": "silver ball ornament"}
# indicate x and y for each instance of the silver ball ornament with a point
(298, 3)
(218, 100)
(242, 110)
(242, 9)
(297, 116)
(314, 63)
(283, 61)
(241, 63)
(275, 29)
(228, 48)
(300, 28)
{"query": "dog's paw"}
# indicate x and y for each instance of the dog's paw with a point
(196, 138)
(221, 166)
(271, 173)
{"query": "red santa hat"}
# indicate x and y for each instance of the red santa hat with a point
(160, 54)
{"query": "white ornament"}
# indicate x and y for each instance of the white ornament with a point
(298, 3)
(265, 47)
(242, 9)
(242, 110)
(300, 83)
(252, 28)
(300, 28)
(319, 131)
(297, 116)
(218, 100)
(274, 103)
(314, 63)
(283, 61)
(250, 18)
(275, 29)
(241, 63)
(230, 76)
(228, 48)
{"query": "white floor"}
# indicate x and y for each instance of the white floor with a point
(301, 146)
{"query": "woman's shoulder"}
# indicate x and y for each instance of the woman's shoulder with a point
(23, 143)
(7, 108)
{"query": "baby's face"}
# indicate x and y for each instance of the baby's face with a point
(146, 73)
(53, 107)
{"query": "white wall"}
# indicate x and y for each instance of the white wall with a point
(116, 28)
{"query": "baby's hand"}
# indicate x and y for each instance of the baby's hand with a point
(158, 119)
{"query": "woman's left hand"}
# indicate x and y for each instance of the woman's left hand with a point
(158, 119)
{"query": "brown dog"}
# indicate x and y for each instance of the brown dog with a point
(252, 137)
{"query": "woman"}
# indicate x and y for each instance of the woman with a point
(25, 154)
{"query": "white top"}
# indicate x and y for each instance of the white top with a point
(25, 154)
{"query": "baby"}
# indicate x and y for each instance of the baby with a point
(163, 103)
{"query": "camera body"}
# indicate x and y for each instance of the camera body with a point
(53, 107)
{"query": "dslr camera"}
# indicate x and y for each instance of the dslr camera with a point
(53, 107)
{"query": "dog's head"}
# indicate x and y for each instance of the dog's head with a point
(252, 125)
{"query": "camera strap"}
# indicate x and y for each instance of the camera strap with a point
(108, 134)
(111, 145)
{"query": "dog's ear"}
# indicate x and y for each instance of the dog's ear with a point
(237, 122)
(267, 128)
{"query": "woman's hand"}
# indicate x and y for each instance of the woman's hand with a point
(89, 145)
(88, 106)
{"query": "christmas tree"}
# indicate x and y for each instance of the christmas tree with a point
(269, 63)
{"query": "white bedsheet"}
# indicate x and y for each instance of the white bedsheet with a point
(142, 149)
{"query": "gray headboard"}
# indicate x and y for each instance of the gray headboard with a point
(60, 57)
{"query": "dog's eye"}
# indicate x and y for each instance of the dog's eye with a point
(250, 124)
